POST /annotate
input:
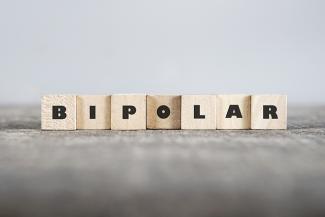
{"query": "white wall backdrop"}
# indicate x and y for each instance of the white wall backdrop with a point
(169, 46)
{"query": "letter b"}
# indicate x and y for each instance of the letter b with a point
(59, 112)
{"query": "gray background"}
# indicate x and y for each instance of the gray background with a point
(170, 46)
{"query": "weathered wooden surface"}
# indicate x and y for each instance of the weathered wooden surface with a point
(162, 173)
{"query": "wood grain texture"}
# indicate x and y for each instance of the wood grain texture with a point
(48, 123)
(174, 173)
(136, 121)
(257, 121)
(173, 121)
(207, 105)
(102, 119)
(244, 104)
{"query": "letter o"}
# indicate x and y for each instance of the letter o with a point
(163, 111)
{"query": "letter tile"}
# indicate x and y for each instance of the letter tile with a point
(128, 112)
(198, 112)
(269, 112)
(58, 112)
(93, 112)
(163, 112)
(233, 111)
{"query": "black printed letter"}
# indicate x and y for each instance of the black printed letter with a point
(58, 112)
(163, 111)
(234, 110)
(269, 110)
(92, 112)
(128, 110)
(197, 114)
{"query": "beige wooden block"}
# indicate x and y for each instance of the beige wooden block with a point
(198, 112)
(58, 112)
(128, 112)
(163, 112)
(93, 112)
(269, 112)
(233, 111)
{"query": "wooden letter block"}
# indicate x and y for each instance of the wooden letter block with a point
(198, 112)
(59, 112)
(128, 112)
(269, 112)
(233, 111)
(93, 112)
(163, 112)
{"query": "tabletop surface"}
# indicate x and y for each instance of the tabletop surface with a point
(162, 173)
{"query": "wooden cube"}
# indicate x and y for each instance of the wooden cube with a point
(198, 112)
(93, 112)
(163, 112)
(269, 112)
(128, 112)
(233, 111)
(58, 112)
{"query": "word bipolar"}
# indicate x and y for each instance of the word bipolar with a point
(140, 112)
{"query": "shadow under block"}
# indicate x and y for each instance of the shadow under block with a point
(163, 112)
(198, 112)
(269, 112)
(128, 112)
(58, 112)
(233, 112)
(93, 112)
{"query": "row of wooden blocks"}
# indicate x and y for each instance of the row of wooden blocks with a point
(139, 112)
